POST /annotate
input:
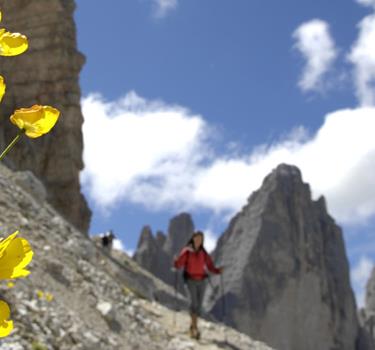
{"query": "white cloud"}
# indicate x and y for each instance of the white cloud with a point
(362, 56)
(366, 2)
(160, 156)
(337, 162)
(315, 43)
(163, 7)
(133, 148)
(118, 245)
(210, 240)
(359, 276)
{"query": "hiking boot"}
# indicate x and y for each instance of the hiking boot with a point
(191, 332)
(197, 334)
(194, 333)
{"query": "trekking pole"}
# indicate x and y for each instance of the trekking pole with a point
(175, 298)
(223, 304)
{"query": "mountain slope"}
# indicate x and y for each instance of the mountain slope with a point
(99, 302)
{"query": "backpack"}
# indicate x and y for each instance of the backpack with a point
(185, 274)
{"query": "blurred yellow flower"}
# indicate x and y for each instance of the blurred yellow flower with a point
(40, 294)
(15, 255)
(12, 44)
(49, 297)
(2, 87)
(36, 120)
(10, 284)
(5, 325)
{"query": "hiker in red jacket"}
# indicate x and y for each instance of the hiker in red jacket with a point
(195, 260)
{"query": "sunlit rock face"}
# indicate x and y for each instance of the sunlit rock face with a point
(48, 74)
(286, 280)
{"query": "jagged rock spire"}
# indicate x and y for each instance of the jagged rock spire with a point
(156, 254)
(181, 228)
(370, 292)
(287, 274)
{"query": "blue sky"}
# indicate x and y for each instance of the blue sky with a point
(181, 95)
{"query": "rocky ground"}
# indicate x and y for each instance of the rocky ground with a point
(78, 298)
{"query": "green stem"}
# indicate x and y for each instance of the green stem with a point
(2, 155)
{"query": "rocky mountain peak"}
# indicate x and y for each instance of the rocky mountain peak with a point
(146, 238)
(366, 314)
(160, 238)
(180, 229)
(287, 179)
(287, 274)
(156, 254)
(370, 293)
(286, 171)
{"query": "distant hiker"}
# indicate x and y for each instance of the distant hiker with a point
(195, 260)
(107, 241)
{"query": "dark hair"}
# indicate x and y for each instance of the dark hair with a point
(191, 240)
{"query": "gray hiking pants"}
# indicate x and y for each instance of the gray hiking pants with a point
(196, 290)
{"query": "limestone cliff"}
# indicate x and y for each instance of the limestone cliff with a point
(48, 74)
(287, 277)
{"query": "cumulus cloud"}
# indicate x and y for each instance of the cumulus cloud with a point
(161, 156)
(210, 240)
(119, 245)
(362, 56)
(133, 148)
(314, 41)
(336, 161)
(360, 274)
(366, 2)
(163, 7)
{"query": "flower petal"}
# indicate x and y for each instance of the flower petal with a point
(36, 120)
(2, 87)
(49, 297)
(5, 242)
(14, 259)
(12, 44)
(5, 325)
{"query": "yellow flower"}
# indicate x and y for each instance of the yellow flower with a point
(40, 294)
(12, 44)
(49, 297)
(5, 325)
(10, 284)
(2, 88)
(15, 255)
(36, 120)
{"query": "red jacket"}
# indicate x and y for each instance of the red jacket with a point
(195, 263)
